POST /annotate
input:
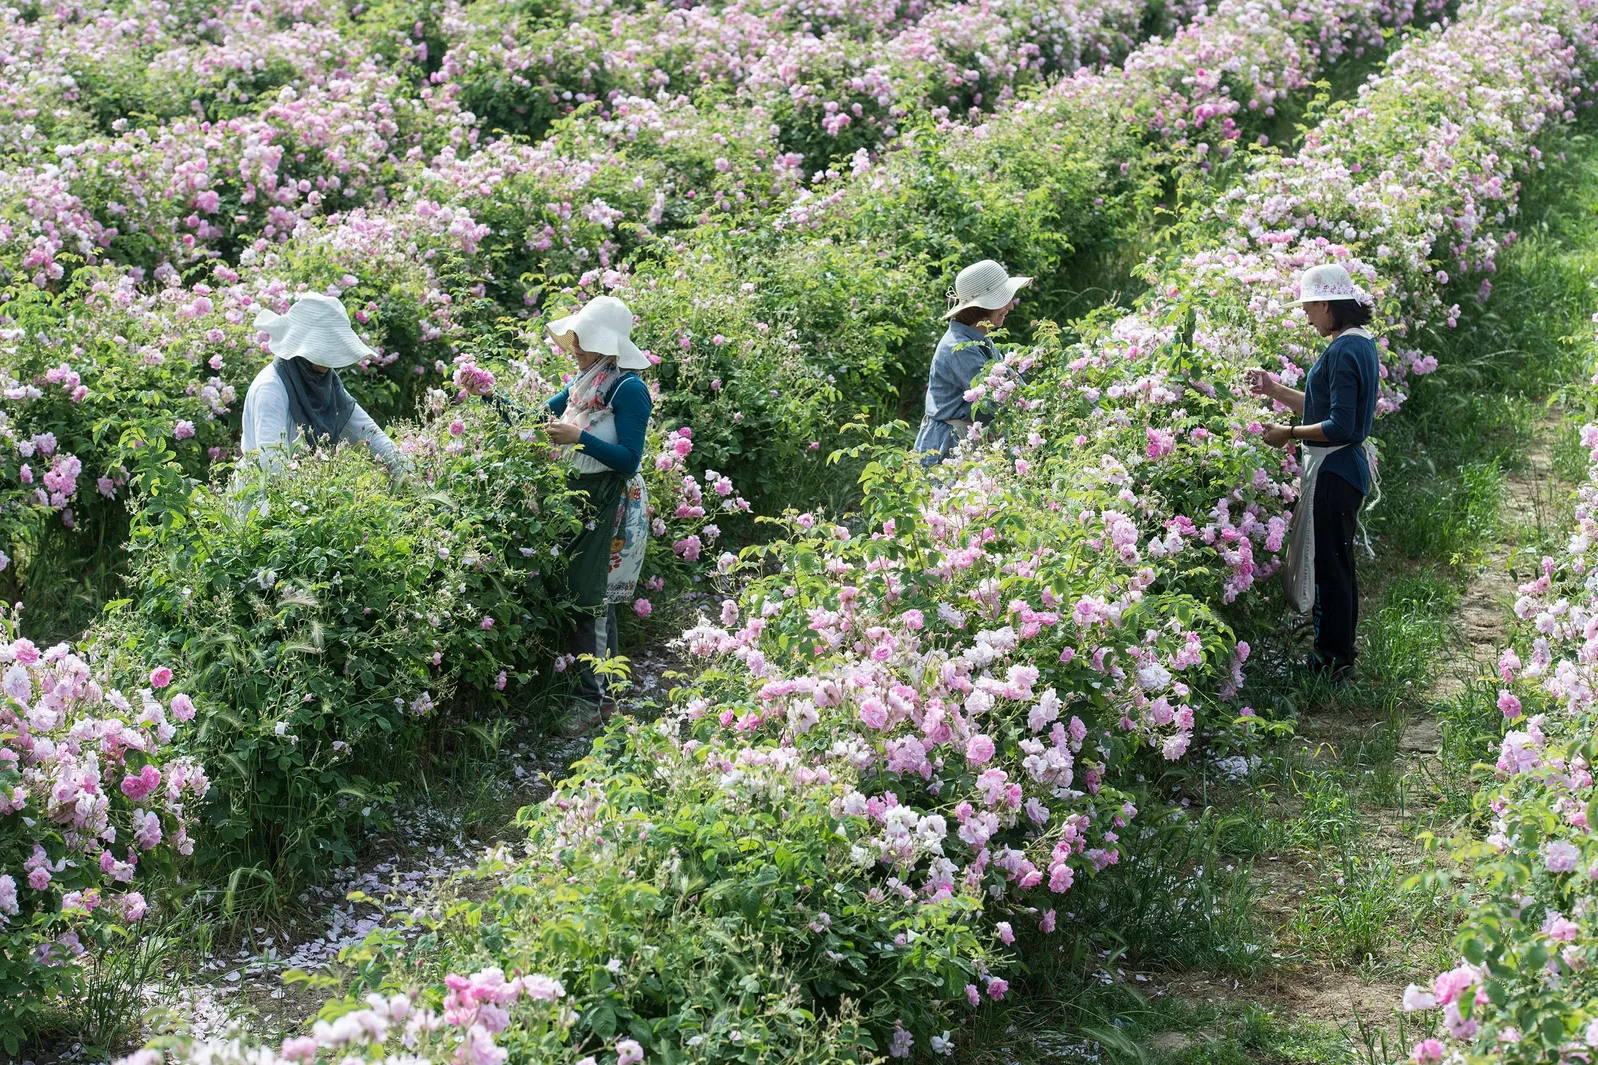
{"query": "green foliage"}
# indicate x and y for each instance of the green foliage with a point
(325, 618)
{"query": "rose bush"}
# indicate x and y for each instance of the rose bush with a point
(93, 799)
(328, 619)
(1523, 989)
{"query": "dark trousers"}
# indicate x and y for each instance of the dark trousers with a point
(594, 635)
(1337, 506)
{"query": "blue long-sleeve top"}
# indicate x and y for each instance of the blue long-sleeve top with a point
(1340, 395)
(630, 400)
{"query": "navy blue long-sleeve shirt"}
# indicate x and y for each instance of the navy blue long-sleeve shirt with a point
(632, 405)
(1340, 395)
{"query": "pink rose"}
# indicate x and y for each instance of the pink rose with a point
(182, 707)
(979, 749)
(1427, 1051)
(136, 788)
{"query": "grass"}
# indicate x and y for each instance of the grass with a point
(1358, 911)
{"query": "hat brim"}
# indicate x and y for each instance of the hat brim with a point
(992, 301)
(601, 341)
(336, 360)
(334, 352)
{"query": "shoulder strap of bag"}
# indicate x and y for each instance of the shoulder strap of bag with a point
(615, 387)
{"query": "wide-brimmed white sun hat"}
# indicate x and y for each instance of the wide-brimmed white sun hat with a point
(316, 329)
(987, 285)
(603, 326)
(1329, 281)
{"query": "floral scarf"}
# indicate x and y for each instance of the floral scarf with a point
(587, 397)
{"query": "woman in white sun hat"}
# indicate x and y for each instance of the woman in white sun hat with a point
(983, 294)
(601, 418)
(299, 394)
(1338, 407)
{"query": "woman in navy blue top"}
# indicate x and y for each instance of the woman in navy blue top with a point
(1338, 406)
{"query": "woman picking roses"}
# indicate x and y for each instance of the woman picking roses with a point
(1338, 406)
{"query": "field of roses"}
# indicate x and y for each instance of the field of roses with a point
(920, 719)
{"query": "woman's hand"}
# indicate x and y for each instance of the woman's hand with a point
(1278, 436)
(562, 432)
(1260, 383)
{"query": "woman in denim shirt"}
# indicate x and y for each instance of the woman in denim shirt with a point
(984, 293)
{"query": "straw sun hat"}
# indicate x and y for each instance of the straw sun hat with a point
(986, 285)
(603, 326)
(316, 329)
(1327, 282)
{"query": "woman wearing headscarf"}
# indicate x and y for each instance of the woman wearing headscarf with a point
(601, 418)
(984, 292)
(1338, 408)
(299, 393)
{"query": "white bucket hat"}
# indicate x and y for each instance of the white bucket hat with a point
(603, 326)
(1326, 282)
(987, 285)
(316, 329)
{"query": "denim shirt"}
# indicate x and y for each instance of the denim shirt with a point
(962, 354)
(1340, 394)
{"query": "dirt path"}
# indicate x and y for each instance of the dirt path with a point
(1530, 501)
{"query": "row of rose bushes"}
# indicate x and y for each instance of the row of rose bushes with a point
(513, 66)
(912, 735)
(142, 135)
(1523, 990)
(624, 172)
(837, 304)
(94, 799)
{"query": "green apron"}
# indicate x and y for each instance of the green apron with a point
(588, 554)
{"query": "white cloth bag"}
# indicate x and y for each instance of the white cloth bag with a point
(1298, 571)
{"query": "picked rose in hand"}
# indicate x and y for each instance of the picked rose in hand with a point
(563, 433)
(1278, 436)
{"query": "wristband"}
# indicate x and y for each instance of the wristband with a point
(1292, 432)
